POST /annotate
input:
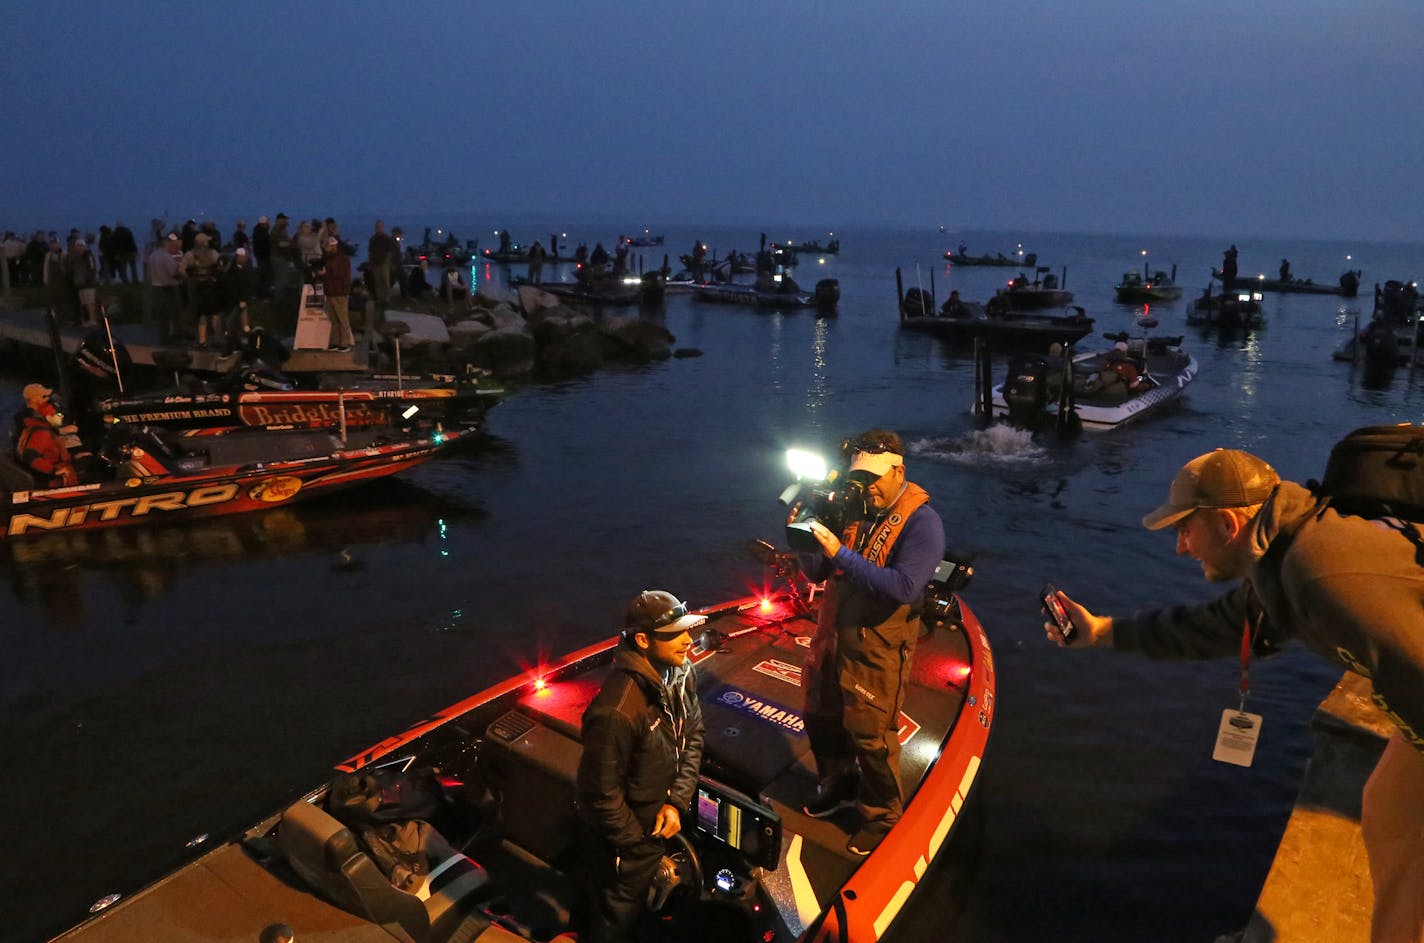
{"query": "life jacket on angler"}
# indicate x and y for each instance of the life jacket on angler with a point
(40, 449)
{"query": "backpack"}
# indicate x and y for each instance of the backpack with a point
(1378, 472)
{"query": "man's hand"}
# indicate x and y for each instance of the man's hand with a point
(1092, 630)
(829, 542)
(668, 822)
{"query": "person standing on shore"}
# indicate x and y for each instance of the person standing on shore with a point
(1351, 588)
(164, 271)
(84, 277)
(282, 252)
(202, 267)
(336, 286)
(262, 255)
(379, 249)
(125, 249)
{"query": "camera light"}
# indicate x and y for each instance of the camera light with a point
(806, 464)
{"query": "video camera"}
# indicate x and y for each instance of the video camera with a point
(829, 495)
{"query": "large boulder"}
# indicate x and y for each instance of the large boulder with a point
(504, 316)
(635, 340)
(464, 334)
(504, 351)
(568, 344)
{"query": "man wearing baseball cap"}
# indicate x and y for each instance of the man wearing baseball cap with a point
(858, 668)
(38, 445)
(1350, 588)
(642, 747)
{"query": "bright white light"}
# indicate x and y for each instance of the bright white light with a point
(806, 464)
(410, 410)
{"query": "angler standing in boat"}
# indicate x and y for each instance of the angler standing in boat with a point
(1349, 587)
(859, 664)
(642, 748)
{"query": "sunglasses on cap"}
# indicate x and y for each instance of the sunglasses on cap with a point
(668, 618)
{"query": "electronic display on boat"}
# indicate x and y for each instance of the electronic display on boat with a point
(738, 822)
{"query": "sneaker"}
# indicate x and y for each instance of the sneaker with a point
(865, 839)
(828, 802)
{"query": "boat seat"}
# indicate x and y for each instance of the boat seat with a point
(327, 856)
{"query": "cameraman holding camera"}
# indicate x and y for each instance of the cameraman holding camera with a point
(859, 664)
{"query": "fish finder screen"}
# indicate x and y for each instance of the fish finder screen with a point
(739, 822)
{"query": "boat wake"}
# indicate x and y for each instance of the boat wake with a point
(996, 445)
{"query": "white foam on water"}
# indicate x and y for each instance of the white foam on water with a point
(996, 445)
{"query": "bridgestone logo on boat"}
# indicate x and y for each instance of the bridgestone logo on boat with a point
(103, 511)
(745, 702)
(313, 414)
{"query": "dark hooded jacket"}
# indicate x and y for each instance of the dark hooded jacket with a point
(1350, 588)
(642, 747)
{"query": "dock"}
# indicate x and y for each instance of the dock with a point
(27, 328)
(1318, 888)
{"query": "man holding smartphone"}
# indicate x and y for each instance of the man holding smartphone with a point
(859, 664)
(1349, 587)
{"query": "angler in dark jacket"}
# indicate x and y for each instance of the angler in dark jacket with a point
(642, 747)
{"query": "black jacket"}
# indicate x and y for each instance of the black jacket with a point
(642, 747)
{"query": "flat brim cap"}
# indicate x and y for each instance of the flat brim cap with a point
(660, 614)
(1225, 478)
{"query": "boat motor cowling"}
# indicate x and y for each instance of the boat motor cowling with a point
(1026, 390)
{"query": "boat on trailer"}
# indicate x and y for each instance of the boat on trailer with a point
(506, 761)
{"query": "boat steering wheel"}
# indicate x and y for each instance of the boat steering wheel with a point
(679, 867)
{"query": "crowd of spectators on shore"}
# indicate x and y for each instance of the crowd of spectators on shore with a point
(201, 285)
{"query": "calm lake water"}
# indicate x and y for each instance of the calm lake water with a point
(164, 684)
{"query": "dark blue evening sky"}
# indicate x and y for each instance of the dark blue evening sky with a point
(1265, 117)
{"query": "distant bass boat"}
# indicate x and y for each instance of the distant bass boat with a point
(1134, 378)
(152, 475)
(1147, 288)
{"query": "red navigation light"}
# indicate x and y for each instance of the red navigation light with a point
(957, 673)
(767, 607)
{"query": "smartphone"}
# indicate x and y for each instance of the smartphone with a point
(1066, 630)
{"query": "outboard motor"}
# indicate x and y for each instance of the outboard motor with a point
(828, 293)
(260, 345)
(257, 377)
(917, 304)
(1026, 390)
(98, 359)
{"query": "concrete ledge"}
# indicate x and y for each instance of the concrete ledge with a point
(1318, 889)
